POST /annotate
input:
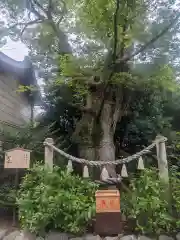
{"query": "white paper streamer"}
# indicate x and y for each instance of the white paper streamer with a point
(69, 167)
(85, 172)
(124, 171)
(104, 174)
(140, 164)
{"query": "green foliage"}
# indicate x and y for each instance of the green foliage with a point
(55, 200)
(97, 18)
(126, 80)
(147, 203)
(74, 76)
(7, 195)
(163, 78)
(23, 88)
(98, 15)
(26, 137)
(60, 121)
(173, 149)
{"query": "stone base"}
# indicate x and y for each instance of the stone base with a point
(108, 223)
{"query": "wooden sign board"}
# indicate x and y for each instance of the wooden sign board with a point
(17, 158)
(107, 201)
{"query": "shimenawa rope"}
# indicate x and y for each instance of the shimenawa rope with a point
(102, 163)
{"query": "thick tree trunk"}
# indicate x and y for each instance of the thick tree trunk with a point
(83, 136)
(106, 142)
(96, 138)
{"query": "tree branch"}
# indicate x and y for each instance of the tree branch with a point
(95, 81)
(28, 24)
(154, 39)
(110, 57)
(32, 8)
(36, 21)
(125, 27)
(50, 5)
(83, 109)
(49, 10)
(63, 12)
(39, 5)
(116, 29)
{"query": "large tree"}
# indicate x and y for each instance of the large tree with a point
(116, 51)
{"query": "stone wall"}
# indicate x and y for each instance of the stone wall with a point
(15, 234)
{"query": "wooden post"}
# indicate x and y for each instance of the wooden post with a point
(162, 160)
(49, 154)
(16, 189)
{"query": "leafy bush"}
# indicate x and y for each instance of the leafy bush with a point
(175, 189)
(7, 195)
(147, 205)
(55, 200)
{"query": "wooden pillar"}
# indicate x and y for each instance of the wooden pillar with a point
(162, 159)
(48, 154)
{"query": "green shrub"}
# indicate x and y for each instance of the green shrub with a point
(147, 205)
(7, 195)
(55, 200)
(175, 190)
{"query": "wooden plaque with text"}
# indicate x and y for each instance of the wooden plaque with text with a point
(17, 158)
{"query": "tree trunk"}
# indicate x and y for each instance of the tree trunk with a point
(96, 138)
(86, 145)
(106, 141)
(83, 136)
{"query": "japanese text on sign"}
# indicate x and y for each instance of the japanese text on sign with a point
(107, 201)
(107, 205)
(17, 158)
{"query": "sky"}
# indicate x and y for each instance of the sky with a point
(15, 50)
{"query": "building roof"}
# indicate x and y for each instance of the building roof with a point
(24, 72)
